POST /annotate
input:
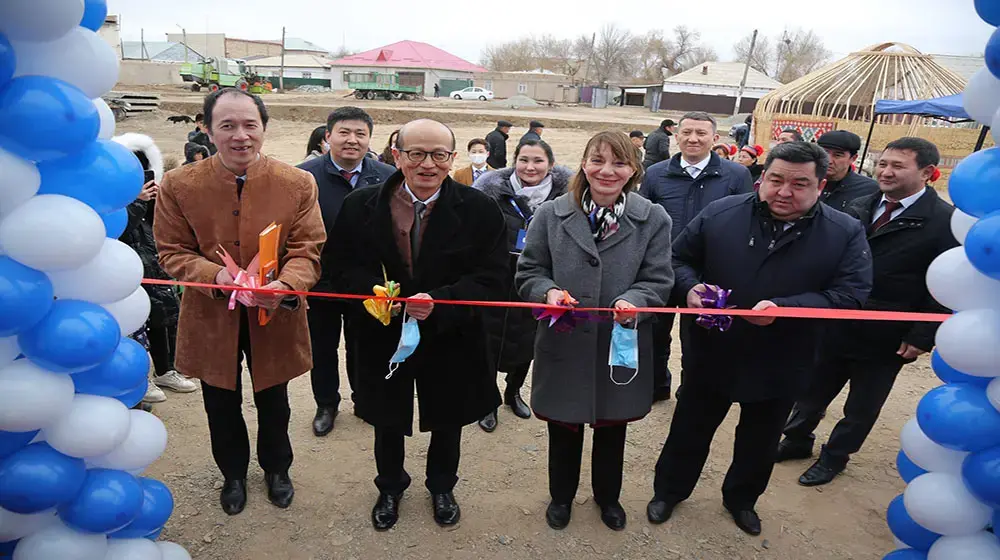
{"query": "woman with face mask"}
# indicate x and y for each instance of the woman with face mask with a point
(479, 151)
(519, 191)
(317, 145)
(599, 245)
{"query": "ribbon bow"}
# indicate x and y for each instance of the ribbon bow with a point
(714, 297)
(562, 319)
(248, 278)
(381, 308)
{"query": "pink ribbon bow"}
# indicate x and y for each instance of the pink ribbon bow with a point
(244, 278)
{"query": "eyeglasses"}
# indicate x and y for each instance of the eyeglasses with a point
(418, 156)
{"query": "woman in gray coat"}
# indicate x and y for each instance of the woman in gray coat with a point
(608, 247)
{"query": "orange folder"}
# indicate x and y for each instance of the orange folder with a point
(267, 247)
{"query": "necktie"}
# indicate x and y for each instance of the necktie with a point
(890, 207)
(475, 174)
(348, 175)
(418, 215)
(693, 171)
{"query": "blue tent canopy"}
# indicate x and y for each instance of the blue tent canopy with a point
(949, 107)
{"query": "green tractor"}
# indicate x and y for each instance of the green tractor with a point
(214, 74)
(374, 85)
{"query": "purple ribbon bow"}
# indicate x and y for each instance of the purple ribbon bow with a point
(560, 320)
(714, 297)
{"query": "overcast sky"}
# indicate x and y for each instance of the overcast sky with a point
(464, 28)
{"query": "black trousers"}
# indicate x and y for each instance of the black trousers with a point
(662, 339)
(325, 317)
(228, 429)
(871, 382)
(700, 410)
(515, 378)
(162, 347)
(442, 460)
(607, 462)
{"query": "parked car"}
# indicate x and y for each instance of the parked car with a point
(472, 93)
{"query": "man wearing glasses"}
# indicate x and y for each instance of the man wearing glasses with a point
(440, 241)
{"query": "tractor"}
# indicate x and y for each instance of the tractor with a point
(213, 74)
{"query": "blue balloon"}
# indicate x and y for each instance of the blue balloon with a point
(115, 223)
(972, 183)
(993, 53)
(25, 296)
(949, 374)
(7, 548)
(73, 337)
(44, 118)
(908, 470)
(94, 13)
(136, 395)
(126, 369)
(154, 535)
(906, 554)
(982, 245)
(13, 441)
(906, 529)
(38, 478)
(7, 61)
(989, 11)
(157, 505)
(981, 473)
(105, 176)
(107, 501)
(960, 417)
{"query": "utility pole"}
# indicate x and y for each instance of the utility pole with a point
(281, 74)
(590, 59)
(746, 70)
(184, 33)
(142, 44)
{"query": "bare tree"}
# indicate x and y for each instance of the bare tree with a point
(612, 53)
(788, 57)
(514, 55)
(763, 53)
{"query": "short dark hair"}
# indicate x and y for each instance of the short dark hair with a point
(699, 116)
(200, 117)
(541, 144)
(667, 122)
(399, 135)
(636, 134)
(213, 98)
(349, 114)
(800, 152)
(926, 152)
(478, 142)
(795, 133)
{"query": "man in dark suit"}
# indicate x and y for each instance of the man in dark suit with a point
(440, 241)
(776, 248)
(348, 132)
(908, 226)
(657, 144)
(497, 140)
(843, 184)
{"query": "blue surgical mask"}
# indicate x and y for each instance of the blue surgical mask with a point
(409, 339)
(624, 351)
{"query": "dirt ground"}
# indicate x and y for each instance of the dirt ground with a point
(503, 489)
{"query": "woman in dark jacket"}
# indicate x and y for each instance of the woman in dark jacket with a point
(519, 191)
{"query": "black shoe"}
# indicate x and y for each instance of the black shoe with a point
(279, 489)
(517, 405)
(746, 519)
(788, 451)
(386, 511)
(323, 421)
(233, 496)
(662, 394)
(489, 423)
(821, 472)
(446, 510)
(613, 516)
(557, 515)
(659, 511)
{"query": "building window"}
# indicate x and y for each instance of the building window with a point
(522, 88)
(307, 75)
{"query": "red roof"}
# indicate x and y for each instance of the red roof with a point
(409, 54)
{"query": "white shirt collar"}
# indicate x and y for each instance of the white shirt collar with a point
(355, 170)
(701, 165)
(908, 201)
(414, 199)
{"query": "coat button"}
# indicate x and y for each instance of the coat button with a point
(237, 243)
(594, 261)
(236, 212)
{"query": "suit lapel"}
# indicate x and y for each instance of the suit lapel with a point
(576, 225)
(625, 228)
(385, 240)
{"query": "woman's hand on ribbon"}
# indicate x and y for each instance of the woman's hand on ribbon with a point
(623, 313)
(420, 310)
(762, 321)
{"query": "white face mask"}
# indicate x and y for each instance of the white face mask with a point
(478, 159)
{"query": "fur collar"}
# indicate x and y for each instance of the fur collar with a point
(141, 143)
(496, 183)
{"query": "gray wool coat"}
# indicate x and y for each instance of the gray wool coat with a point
(571, 379)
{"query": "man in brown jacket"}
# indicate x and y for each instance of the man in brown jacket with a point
(226, 201)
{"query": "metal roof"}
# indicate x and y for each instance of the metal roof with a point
(409, 54)
(725, 74)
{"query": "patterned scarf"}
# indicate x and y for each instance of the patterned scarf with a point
(603, 221)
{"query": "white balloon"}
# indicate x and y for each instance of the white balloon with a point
(110, 276)
(961, 223)
(977, 546)
(968, 342)
(146, 441)
(941, 503)
(133, 549)
(131, 312)
(52, 232)
(39, 20)
(958, 285)
(32, 398)
(15, 526)
(173, 551)
(94, 426)
(19, 181)
(80, 58)
(59, 541)
(8, 351)
(926, 453)
(981, 98)
(993, 393)
(900, 545)
(107, 119)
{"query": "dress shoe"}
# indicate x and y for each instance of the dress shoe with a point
(662, 394)
(446, 510)
(746, 519)
(386, 511)
(323, 421)
(517, 405)
(788, 451)
(489, 423)
(233, 496)
(279, 489)
(613, 516)
(821, 472)
(659, 511)
(557, 515)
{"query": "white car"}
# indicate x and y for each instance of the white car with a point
(472, 93)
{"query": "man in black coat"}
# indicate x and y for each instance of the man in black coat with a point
(843, 184)
(200, 136)
(908, 225)
(344, 169)
(498, 144)
(684, 185)
(534, 133)
(439, 240)
(777, 248)
(657, 144)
